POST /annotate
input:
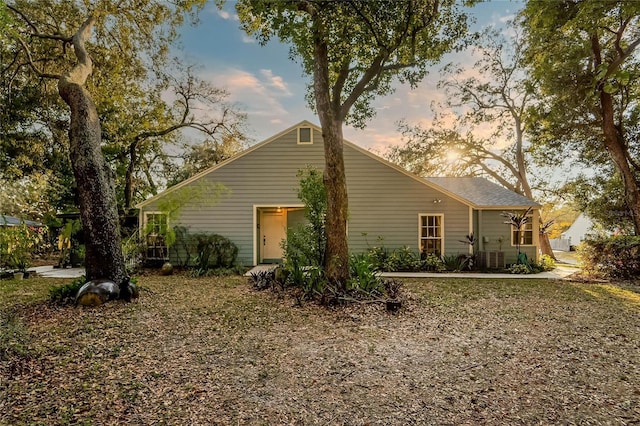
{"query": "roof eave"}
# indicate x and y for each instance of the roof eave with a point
(508, 207)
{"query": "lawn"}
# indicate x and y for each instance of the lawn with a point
(213, 351)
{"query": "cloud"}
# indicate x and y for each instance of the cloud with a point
(227, 15)
(247, 39)
(506, 19)
(265, 97)
(275, 81)
(224, 14)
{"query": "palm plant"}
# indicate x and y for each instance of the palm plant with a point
(469, 258)
(517, 221)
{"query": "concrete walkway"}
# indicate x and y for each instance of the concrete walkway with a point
(51, 272)
(260, 268)
(562, 271)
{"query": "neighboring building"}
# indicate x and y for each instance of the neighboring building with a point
(6, 220)
(260, 202)
(579, 230)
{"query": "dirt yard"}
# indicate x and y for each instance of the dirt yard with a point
(213, 351)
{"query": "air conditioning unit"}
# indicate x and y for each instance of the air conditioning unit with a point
(495, 259)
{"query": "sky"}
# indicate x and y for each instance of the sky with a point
(270, 88)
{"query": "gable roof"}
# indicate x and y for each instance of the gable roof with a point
(481, 192)
(224, 163)
(450, 190)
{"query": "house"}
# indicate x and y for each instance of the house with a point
(251, 199)
(580, 229)
(6, 220)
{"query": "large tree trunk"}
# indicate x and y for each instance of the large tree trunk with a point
(615, 144)
(618, 152)
(337, 249)
(521, 160)
(98, 208)
(545, 245)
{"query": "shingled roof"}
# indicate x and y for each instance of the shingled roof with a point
(481, 192)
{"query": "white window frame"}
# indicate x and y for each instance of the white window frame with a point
(147, 235)
(528, 228)
(152, 213)
(442, 236)
(310, 142)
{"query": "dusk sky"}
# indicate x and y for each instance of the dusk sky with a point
(270, 87)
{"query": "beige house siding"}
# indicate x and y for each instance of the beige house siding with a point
(264, 177)
(492, 227)
(383, 201)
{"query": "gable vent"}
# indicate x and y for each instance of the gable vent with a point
(305, 135)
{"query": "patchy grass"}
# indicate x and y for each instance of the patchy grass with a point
(212, 351)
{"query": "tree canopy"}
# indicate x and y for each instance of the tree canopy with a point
(56, 44)
(584, 54)
(489, 108)
(354, 50)
(144, 98)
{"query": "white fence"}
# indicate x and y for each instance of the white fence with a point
(561, 244)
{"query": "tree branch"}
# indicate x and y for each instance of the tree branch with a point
(361, 85)
(32, 64)
(81, 71)
(22, 15)
(498, 177)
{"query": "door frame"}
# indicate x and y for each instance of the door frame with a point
(256, 233)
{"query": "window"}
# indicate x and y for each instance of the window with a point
(431, 234)
(525, 234)
(155, 229)
(305, 135)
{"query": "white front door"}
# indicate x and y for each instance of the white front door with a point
(273, 229)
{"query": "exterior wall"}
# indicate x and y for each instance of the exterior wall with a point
(492, 227)
(383, 202)
(386, 203)
(264, 177)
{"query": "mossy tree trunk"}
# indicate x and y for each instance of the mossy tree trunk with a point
(98, 209)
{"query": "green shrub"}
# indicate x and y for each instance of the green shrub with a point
(453, 262)
(402, 260)
(432, 263)
(379, 256)
(66, 294)
(303, 251)
(613, 257)
(262, 280)
(546, 263)
(133, 250)
(301, 246)
(364, 275)
(214, 251)
(315, 283)
(519, 268)
(302, 265)
(313, 194)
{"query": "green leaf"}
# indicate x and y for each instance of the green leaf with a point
(609, 88)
